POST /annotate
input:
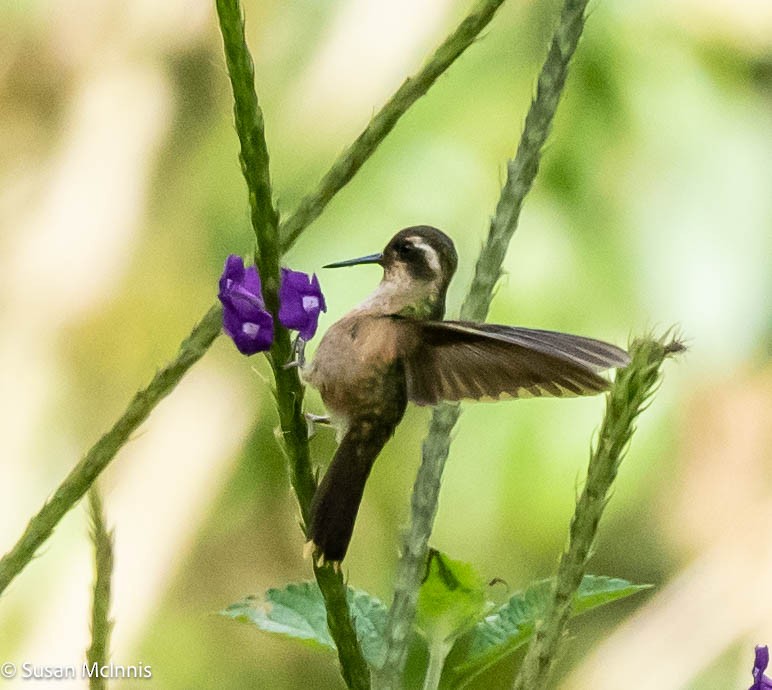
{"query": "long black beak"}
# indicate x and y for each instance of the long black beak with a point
(369, 259)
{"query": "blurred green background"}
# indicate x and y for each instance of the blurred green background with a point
(121, 196)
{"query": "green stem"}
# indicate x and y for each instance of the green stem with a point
(629, 396)
(384, 121)
(438, 652)
(521, 173)
(415, 545)
(289, 390)
(253, 153)
(334, 592)
(83, 475)
(99, 651)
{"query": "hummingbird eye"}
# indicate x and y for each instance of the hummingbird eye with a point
(404, 249)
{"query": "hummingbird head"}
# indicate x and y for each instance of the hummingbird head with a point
(422, 253)
(418, 264)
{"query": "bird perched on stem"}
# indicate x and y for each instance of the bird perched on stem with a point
(394, 348)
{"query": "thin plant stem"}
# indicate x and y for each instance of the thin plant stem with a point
(253, 153)
(438, 652)
(83, 475)
(415, 545)
(630, 394)
(288, 390)
(98, 653)
(521, 172)
(384, 121)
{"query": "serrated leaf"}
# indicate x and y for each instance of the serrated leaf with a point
(297, 611)
(512, 625)
(451, 599)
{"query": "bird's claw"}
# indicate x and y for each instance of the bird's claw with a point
(298, 354)
(312, 420)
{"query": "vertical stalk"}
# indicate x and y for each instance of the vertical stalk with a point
(289, 390)
(438, 652)
(98, 653)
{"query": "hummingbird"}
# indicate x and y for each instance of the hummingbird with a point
(395, 348)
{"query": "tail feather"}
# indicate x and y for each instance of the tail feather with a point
(336, 502)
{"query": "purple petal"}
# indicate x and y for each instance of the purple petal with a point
(291, 312)
(762, 658)
(243, 303)
(315, 286)
(300, 301)
(231, 321)
(294, 280)
(250, 335)
(245, 318)
(236, 278)
(234, 267)
(233, 272)
(311, 308)
(251, 282)
(761, 682)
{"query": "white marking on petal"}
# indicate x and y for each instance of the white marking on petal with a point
(250, 329)
(310, 302)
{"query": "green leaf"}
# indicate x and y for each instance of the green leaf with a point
(596, 590)
(297, 611)
(451, 599)
(512, 625)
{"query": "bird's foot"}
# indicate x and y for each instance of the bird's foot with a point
(298, 354)
(313, 419)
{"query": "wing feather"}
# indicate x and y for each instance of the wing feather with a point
(596, 354)
(454, 360)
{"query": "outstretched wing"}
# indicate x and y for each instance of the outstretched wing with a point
(453, 360)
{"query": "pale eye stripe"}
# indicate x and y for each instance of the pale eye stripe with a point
(429, 253)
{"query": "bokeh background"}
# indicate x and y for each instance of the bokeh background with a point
(121, 195)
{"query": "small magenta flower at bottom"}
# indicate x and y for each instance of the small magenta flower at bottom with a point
(245, 318)
(300, 301)
(760, 681)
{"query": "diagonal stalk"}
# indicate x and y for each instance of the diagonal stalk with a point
(83, 475)
(630, 394)
(384, 121)
(521, 173)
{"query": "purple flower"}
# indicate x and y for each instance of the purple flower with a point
(245, 318)
(300, 301)
(760, 681)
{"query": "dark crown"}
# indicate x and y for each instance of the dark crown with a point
(405, 248)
